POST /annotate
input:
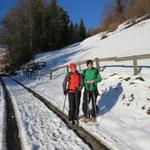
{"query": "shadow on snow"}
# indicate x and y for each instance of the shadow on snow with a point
(109, 98)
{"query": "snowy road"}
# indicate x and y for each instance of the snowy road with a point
(39, 127)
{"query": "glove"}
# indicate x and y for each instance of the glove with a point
(65, 92)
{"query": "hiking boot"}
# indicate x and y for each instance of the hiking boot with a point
(86, 120)
(93, 120)
(90, 119)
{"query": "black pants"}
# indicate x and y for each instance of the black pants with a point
(87, 98)
(74, 103)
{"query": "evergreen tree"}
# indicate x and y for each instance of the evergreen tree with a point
(32, 27)
(38, 14)
(63, 21)
(76, 32)
(82, 30)
(57, 24)
(73, 33)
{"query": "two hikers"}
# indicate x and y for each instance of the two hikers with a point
(75, 82)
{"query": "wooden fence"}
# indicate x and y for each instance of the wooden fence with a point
(4, 60)
(133, 58)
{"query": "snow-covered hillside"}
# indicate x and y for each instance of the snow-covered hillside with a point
(124, 98)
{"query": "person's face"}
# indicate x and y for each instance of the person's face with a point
(73, 69)
(90, 66)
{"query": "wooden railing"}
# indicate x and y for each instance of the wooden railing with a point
(133, 58)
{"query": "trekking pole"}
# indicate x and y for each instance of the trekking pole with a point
(63, 108)
(88, 102)
(76, 100)
(94, 99)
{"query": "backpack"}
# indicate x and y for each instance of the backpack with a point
(74, 81)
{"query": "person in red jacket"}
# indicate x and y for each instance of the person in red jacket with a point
(72, 85)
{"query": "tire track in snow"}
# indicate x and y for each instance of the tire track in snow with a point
(2, 119)
(13, 141)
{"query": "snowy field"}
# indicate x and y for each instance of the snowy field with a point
(40, 128)
(124, 98)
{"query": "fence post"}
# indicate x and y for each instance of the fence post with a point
(97, 63)
(67, 69)
(135, 66)
(39, 74)
(50, 73)
(79, 67)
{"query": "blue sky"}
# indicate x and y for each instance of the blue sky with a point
(89, 10)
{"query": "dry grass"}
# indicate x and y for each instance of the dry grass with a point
(138, 9)
(112, 18)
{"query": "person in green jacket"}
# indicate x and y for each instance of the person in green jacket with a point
(91, 77)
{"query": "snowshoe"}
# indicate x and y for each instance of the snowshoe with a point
(86, 120)
(93, 120)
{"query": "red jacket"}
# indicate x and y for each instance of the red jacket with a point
(74, 81)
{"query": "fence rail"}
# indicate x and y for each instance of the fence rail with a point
(133, 58)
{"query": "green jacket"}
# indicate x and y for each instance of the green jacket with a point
(91, 74)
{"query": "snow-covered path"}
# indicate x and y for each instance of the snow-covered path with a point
(2, 119)
(39, 127)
